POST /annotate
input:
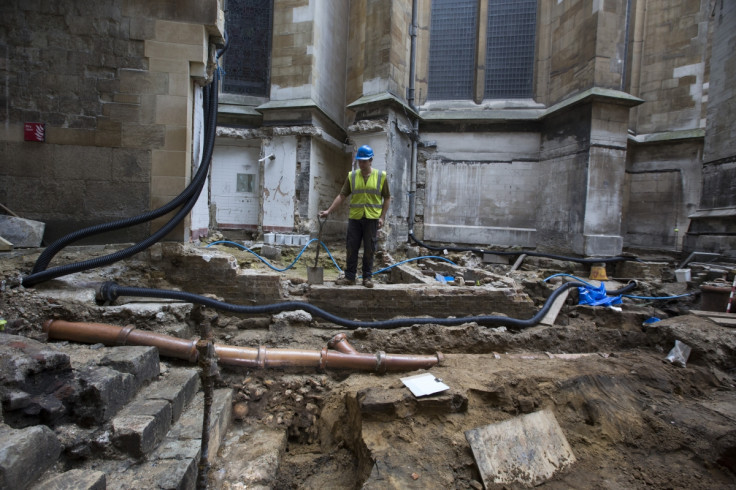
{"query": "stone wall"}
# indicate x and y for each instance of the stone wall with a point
(112, 82)
(671, 71)
(713, 226)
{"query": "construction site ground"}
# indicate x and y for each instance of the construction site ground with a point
(632, 418)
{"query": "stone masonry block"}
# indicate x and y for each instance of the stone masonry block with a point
(141, 362)
(171, 109)
(169, 163)
(141, 426)
(180, 33)
(176, 137)
(103, 392)
(143, 136)
(143, 82)
(67, 136)
(167, 186)
(25, 454)
(170, 51)
(76, 479)
(178, 386)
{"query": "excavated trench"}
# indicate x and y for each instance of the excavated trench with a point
(631, 418)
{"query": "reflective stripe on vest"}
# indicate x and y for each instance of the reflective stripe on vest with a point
(365, 199)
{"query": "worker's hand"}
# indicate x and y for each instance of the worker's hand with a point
(324, 214)
(380, 222)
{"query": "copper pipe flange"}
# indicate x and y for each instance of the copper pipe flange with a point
(122, 337)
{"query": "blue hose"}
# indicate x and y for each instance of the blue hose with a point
(328, 253)
(270, 265)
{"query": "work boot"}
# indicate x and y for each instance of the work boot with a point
(367, 283)
(344, 281)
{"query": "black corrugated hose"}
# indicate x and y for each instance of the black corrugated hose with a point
(594, 260)
(110, 291)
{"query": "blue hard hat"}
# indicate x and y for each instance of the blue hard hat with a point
(365, 152)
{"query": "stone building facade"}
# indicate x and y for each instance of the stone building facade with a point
(578, 126)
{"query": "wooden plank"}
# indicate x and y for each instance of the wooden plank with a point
(525, 450)
(518, 262)
(713, 314)
(5, 246)
(554, 310)
(723, 319)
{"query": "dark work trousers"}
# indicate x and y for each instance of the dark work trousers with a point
(363, 231)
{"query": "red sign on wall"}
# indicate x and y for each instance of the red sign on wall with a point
(34, 132)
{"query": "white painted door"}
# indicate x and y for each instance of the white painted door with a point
(235, 185)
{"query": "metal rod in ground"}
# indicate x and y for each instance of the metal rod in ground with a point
(208, 364)
(729, 308)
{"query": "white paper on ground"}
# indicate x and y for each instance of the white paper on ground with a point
(424, 384)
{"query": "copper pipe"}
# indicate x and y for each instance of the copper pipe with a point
(261, 357)
(93, 333)
(340, 343)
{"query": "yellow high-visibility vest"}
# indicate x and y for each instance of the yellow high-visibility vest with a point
(365, 196)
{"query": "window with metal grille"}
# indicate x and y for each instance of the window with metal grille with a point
(247, 61)
(508, 44)
(452, 49)
(510, 49)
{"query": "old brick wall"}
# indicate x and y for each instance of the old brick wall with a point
(112, 82)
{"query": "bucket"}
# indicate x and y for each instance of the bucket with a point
(269, 238)
(598, 273)
(682, 275)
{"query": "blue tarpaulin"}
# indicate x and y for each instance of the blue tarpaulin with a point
(596, 296)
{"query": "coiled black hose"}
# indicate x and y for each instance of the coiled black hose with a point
(110, 291)
(601, 260)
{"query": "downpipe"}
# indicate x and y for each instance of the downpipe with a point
(343, 357)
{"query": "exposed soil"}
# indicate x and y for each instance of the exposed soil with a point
(632, 419)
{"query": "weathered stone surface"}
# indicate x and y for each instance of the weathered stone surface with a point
(75, 480)
(250, 457)
(103, 391)
(142, 362)
(418, 300)
(190, 423)
(25, 454)
(165, 473)
(21, 232)
(178, 386)
(141, 426)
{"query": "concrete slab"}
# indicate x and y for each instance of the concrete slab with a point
(21, 232)
(525, 450)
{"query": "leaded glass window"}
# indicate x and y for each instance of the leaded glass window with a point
(248, 58)
(507, 45)
(510, 48)
(452, 49)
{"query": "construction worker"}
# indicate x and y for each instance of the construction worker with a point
(368, 207)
